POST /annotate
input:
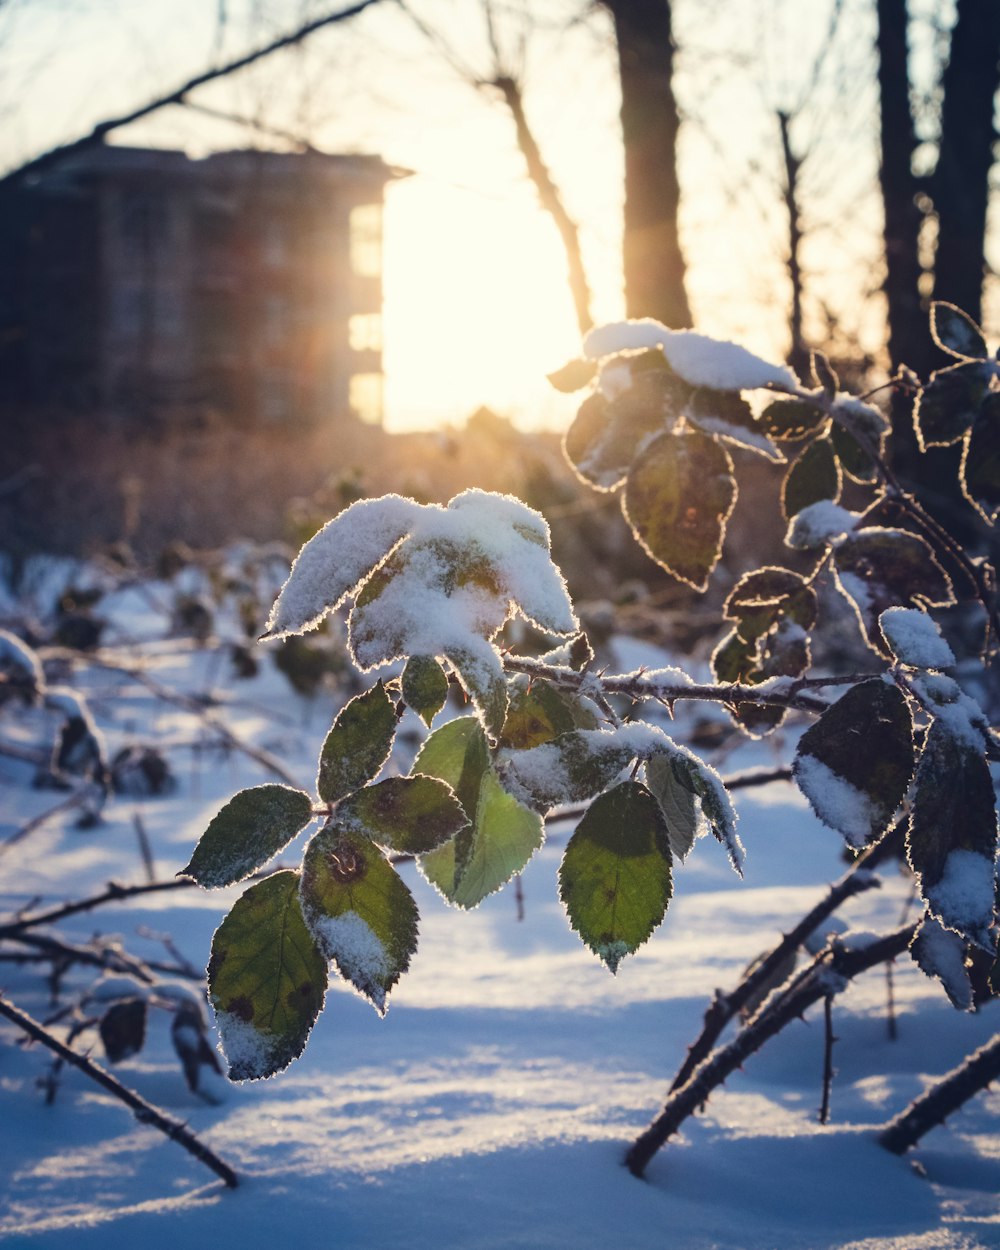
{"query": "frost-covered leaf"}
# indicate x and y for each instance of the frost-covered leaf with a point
(123, 1029)
(761, 599)
(569, 769)
(590, 445)
(573, 376)
(855, 763)
(480, 671)
(727, 415)
(952, 840)
(949, 403)
(791, 420)
(266, 979)
(938, 952)
(425, 686)
(678, 497)
(678, 806)
(956, 333)
(914, 639)
(503, 835)
(885, 568)
(357, 745)
(980, 471)
(407, 814)
(252, 828)
(539, 712)
(615, 879)
(334, 562)
(852, 457)
(820, 525)
(359, 911)
(815, 475)
(716, 806)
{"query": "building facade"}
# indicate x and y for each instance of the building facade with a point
(139, 283)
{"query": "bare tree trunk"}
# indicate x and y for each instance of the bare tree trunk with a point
(960, 187)
(653, 262)
(798, 355)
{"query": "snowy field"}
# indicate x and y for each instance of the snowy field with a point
(492, 1106)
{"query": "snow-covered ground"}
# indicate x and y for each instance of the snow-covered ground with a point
(492, 1106)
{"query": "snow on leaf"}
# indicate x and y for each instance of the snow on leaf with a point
(252, 828)
(266, 979)
(678, 497)
(956, 333)
(820, 524)
(480, 671)
(359, 910)
(915, 639)
(813, 477)
(855, 763)
(334, 562)
(939, 952)
(573, 767)
(357, 745)
(615, 879)
(728, 416)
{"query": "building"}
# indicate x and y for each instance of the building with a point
(138, 283)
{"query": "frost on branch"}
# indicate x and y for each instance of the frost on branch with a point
(431, 581)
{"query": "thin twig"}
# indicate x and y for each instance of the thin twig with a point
(74, 800)
(143, 1111)
(828, 1071)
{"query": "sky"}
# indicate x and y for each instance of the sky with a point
(476, 302)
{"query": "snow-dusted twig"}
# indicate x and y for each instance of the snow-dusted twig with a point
(836, 964)
(145, 1112)
(828, 1070)
(944, 1096)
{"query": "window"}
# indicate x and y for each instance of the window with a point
(366, 240)
(364, 332)
(365, 397)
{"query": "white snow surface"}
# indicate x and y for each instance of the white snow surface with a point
(915, 639)
(491, 1108)
(697, 358)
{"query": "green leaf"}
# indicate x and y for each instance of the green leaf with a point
(855, 763)
(854, 460)
(573, 376)
(678, 497)
(569, 769)
(949, 403)
(814, 476)
(407, 814)
(956, 333)
(359, 910)
(716, 806)
(539, 712)
(480, 670)
(677, 805)
(727, 415)
(790, 420)
(504, 834)
(980, 472)
(425, 686)
(883, 568)
(266, 979)
(358, 744)
(614, 879)
(252, 828)
(952, 839)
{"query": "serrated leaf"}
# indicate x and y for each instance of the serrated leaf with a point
(357, 745)
(539, 712)
(480, 671)
(615, 879)
(956, 333)
(599, 459)
(713, 798)
(727, 415)
(980, 471)
(569, 769)
(952, 839)
(791, 420)
(573, 376)
(940, 953)
(266, 979)
(762, 598)
(425, 686)
(814, 476)
(883, 568)
(678, 806)
(949, 403)
(854, 764)
(359, 910)
(854, 459)
(457, 754)
(409, 815)
(252, 828)
(678, 497)
(123, 1029)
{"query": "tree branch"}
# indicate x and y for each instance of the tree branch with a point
(145, 1112)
